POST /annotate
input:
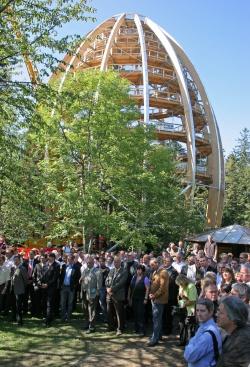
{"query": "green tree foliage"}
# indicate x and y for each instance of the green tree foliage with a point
(28, 32)
(102, 172)
(77, 160)
(237, 195)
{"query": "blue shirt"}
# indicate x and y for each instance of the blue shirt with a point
(200, 350)
(67, 276)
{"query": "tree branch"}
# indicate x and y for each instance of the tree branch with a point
(4, 7)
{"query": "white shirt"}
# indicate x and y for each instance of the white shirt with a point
(191, 272)
(4, 274)
(9, 262)
(83, 267)
(178, 266)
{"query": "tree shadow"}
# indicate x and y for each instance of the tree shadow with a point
(68, 345)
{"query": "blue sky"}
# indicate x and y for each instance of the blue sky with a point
(216, 37)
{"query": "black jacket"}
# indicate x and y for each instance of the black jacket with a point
(51, 276)
(74, 278)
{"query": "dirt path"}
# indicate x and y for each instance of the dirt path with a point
(67, 345)
(131, 352)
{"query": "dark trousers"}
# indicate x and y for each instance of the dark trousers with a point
(40, 304)
(77, 296)
(57, 299)
(2, 297)
(6, 300)
(168, 320)
(17, 307)
(139, 315)
(103, 303)
(29, 296)
(89, 308)
(115, 310)
(50, 305)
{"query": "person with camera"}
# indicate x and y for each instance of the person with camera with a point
(187, 300)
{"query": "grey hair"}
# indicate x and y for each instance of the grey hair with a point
(243, 289)
(236, 310)
(245, 266)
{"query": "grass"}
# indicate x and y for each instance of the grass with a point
(33, 345)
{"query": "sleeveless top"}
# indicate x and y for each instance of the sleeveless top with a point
(138, 289)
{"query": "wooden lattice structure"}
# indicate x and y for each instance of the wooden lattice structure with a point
(168, 91)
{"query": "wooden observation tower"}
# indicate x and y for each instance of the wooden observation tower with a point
(169, 93)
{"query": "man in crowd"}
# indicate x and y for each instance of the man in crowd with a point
(145, 262)
(116, 288)
(158, 294)
(102, 292)
(50, 285)
(235, 265)
(9, 257)
(19, 281)
(232, 316)
(245, 273)
(4, 282)
(30, 264)
(241, 290)
(69, 279)
(2, 244)
(211, 293)
(211, 248)
(243, 258)
(190, 270)
(204, 266)
(179, 264)
(168, 319)
(40, 293)
(91, 282)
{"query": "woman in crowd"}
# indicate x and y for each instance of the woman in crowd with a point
(205, 282)
(187, 293)
(138, 298)
(205, 346)
(187, 300)
(220, 269)
(227, 280)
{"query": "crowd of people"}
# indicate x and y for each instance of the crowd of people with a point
(195, 293)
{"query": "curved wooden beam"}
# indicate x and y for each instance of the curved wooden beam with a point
(216, 159)
(189, 122)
